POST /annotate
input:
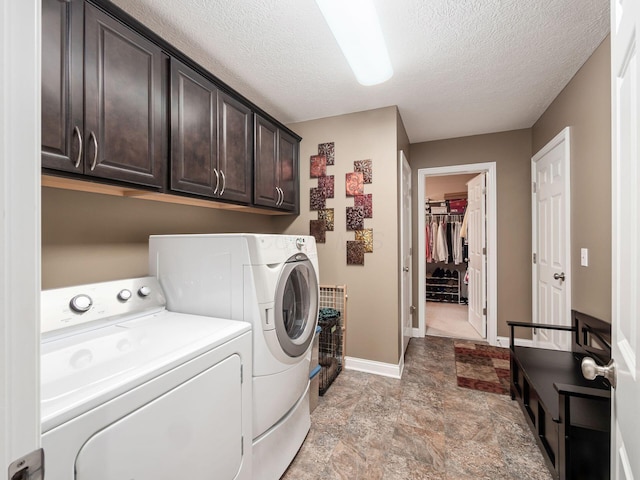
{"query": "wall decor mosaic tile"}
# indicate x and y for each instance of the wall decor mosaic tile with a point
(318, 166)
(366, 202)
(366, 237)
(355, 253)
(326, 214)
(354, 184)
(328, 183)
(318, 229)
(329, 151)
(366, 168)
(317, 200)
(355, 218)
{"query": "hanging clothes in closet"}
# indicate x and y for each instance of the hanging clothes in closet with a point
(443, 240)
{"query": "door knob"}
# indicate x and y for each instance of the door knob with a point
(558, 276)
(591, 370)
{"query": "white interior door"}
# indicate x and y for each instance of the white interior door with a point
(625, 424)
(19, 231)
(551, 241)
(406, 308)
(476, 234)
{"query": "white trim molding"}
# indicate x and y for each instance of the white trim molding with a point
(520, 342)
(374, 367)
(492, 241)
(20, 55)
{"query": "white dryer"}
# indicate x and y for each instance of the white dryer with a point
(131, 390)
(270, 281)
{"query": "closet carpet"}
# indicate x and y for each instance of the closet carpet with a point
(368, 427)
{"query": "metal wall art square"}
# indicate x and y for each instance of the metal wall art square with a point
(328, 183)
(317, 200)
(355, 253)
(328, 150)
(355, 218)
(366, 202)
(318, 229)
(366, 168)
(318, 166)
(326, 214)
(354, 184)
(366, 237)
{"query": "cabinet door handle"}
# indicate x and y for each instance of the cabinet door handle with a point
(224, 182)
(95, 152)
(215, 191)
(77, 131)
(280, 196)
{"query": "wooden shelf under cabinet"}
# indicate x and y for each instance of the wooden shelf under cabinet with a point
(119, 191)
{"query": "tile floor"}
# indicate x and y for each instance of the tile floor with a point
(368, 427)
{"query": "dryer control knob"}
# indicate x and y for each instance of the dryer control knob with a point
(124, 295)
(299, 243)
(81, 303)
(144, 291)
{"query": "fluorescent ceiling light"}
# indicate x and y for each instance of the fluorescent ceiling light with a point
(355, 25)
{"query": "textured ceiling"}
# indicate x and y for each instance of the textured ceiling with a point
(462, 67)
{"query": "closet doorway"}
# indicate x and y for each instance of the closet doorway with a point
(457, 277)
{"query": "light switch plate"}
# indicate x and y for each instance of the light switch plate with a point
(584, 257)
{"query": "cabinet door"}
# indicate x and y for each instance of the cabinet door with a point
(62, 65)
(234, 149)
(288, 148)
(123, 102)
(265, 160)
(194, 141)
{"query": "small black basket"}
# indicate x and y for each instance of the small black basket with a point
(330, 350)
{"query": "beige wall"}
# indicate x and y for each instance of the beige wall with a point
(88, 237)
(372, 323)
(436, 187)
(512, 153)
(585, 106)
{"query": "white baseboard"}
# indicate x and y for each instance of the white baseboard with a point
(372, 366)
(520, 342)
(415, 333)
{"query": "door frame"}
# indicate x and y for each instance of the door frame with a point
(492, 241)
(20, 264)
(563, 136)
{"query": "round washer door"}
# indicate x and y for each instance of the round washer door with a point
(296, 305)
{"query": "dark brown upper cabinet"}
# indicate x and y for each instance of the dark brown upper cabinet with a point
(288, 151)
(62, 87)
(210, 138)
(194, 132)
(110, 124)
(124, 121)
(276, 167)
(235, 149)
(120, 105)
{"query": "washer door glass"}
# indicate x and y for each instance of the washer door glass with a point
(296, 306)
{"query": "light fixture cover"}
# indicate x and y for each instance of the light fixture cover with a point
(356, 27)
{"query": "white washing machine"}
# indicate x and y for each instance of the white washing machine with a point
(131, 390)
(270, 281)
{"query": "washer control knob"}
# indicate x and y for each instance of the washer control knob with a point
(144, 291)
(81, 303)
(124, 295)
(299, 243)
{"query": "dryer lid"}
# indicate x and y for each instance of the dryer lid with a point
(83, 370)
